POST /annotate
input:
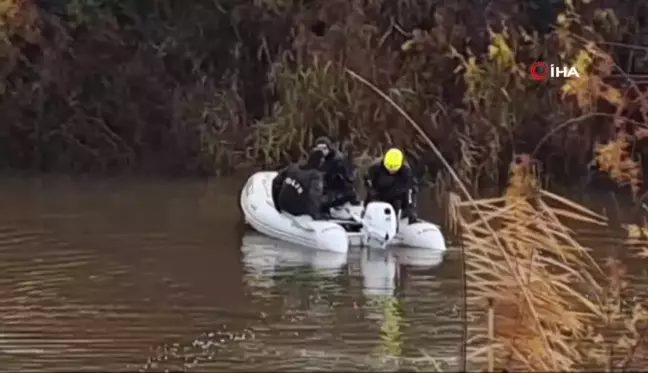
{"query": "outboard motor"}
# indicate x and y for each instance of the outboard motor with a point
(379, 224)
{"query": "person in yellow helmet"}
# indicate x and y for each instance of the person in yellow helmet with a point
(391, 179)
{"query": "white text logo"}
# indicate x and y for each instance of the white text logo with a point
(543, 71)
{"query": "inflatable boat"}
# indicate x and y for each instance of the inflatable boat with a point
(422, 234)
(378, 226)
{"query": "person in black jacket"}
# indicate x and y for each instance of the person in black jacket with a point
(339, 176)
(298, 189)
(390, 179)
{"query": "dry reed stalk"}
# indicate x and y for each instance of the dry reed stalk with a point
(521, 254)
(526, 296)
(531, 227)
(491, 336)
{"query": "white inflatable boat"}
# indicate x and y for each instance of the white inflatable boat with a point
(422, 234)
(378, 226)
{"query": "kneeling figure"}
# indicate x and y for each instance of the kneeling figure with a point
(298, 189)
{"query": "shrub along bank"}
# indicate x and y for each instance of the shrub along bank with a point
(198, 87)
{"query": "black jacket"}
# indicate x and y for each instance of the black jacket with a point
(381, 184)
(338, 173)
(298, 191)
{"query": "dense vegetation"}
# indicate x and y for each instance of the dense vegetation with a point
(204, 86)
(537, 299)
(175, 87)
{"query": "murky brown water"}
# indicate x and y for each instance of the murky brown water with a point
(155, 276)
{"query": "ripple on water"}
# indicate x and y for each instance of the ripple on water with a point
(84, 294)
(324, 319)
(69, 306)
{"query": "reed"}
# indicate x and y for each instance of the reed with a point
(212, 86)
(536, 299)
(218, 86)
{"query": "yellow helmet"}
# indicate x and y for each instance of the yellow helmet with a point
(393, 160)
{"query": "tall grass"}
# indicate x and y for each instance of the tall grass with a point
(527, 280)
(536, 299)
(212, 86)
(209, 86)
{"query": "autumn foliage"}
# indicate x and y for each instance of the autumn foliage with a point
(204, 86)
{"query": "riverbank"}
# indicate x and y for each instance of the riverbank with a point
(211, 87)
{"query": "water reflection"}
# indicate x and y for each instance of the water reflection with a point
(344, 307)
(265, 255)
(265, 258)
(154, 276)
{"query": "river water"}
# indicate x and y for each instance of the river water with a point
(162, 276)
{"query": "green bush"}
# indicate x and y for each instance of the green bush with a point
(201, 87)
